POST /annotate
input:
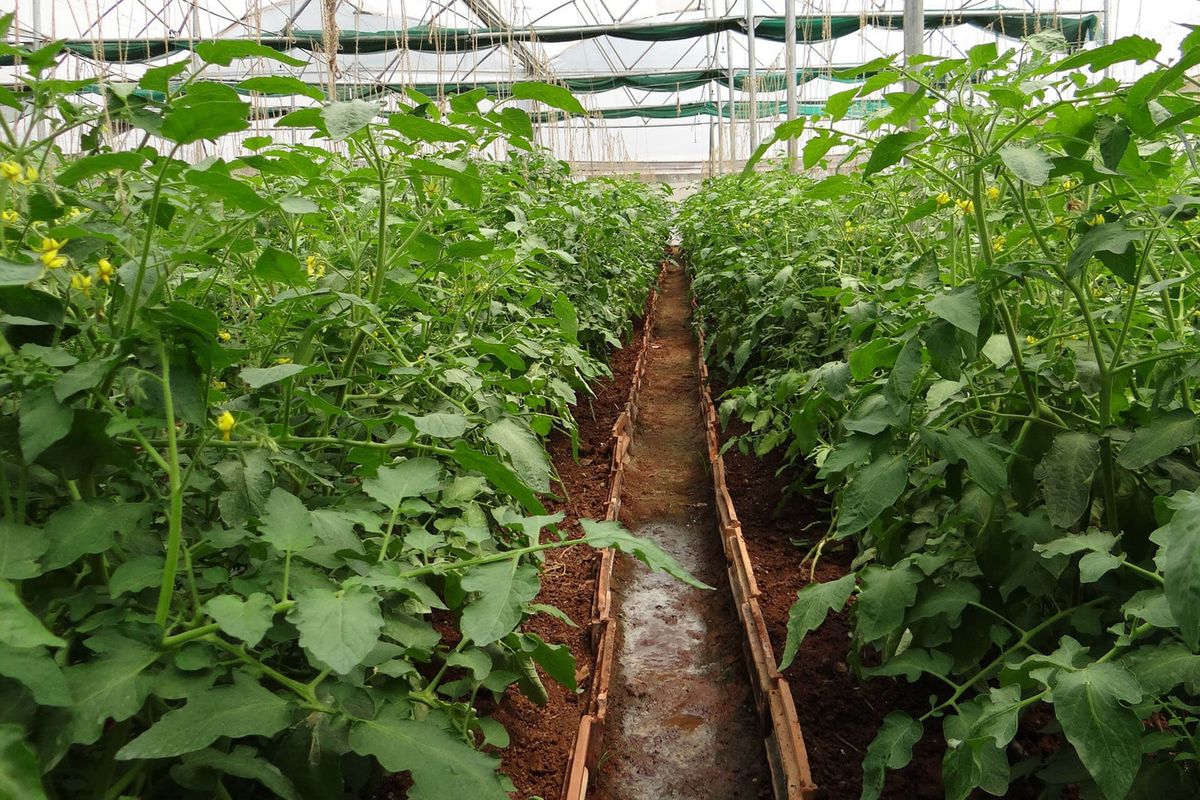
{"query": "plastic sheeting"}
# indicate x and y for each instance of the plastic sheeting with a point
(809, 28)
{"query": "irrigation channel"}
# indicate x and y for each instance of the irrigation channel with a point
(681, 717)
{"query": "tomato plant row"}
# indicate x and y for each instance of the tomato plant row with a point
(273, 434)
(981, 342)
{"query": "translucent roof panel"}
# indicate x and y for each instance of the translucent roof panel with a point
(688, 138)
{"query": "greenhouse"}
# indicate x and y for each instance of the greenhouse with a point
(609, 399)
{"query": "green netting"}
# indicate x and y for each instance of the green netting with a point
(809, 28)
(738, 110)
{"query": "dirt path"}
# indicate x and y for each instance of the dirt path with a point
(682, 724)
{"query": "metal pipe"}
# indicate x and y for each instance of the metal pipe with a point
(789, 60)
(752, 75)
(914, 34)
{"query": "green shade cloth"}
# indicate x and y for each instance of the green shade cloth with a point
(809, 28)
(739, 110)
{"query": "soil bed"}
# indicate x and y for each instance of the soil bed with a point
(542, 736)
(839, 716)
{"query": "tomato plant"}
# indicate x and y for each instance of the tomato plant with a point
(981, 341)
(273, 433)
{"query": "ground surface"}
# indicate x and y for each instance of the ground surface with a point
(681, 722)
(542, 736)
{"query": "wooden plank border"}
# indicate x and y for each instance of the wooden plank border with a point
(589, 740)
(786, 754)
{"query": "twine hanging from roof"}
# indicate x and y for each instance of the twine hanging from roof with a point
(329, 42)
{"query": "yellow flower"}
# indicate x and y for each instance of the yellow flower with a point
(1031, 339)
(314, 267)
(225, 423)
(31, 174)
(998, 243)
(224, 336)
(10, 216)
(1068, 184)
(105, 270)
(11, 171)
(993, 193)
(1096, 220)
(52, 260)
(943, 198)
(965, 206)
(51, 244)
(74, 212)
(82, 282)
(283, 360)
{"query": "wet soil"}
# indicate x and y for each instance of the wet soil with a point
(839, 716)
(681, 721)
(542, 736)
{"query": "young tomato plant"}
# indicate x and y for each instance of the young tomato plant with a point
(272, 434)
(982, 344)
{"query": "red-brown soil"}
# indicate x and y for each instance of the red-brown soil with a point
(542, 736)
(839, 716)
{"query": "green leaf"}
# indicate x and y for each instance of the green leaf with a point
(612, 534)
(983, 460)
(244, 762)
(1127, 48)
(813, 604)
(223, 52)
(442, 767)
(229, 190)
(412, 477)
(959, 307)
(112, 686)
(440, 425)
(1109, 237)
(874, 489)
(36, 670)
(90, 166)
(82, 377)
(20, 548)
(282, 84)
(836, 106)
(1160, 668)
(498, 475)
(1179, 562)
(338, 628)
(1067, 472)
(890, 149)
(43, 422)
(890, 749)
(504, 588)
(346, 118)
(528, 457)
(886, 593)
(20, 775)
(1163, 436)
(1030, 164)
(279, 266)
(85, 528)
(568, 320)
(14, 274)
(207, 111)
(21, 628)
(286, 523)
(248, 620)
(136, 574)
(1090, 706)
(420, 129)
(258, 377)
(242, 709)
(553, 96)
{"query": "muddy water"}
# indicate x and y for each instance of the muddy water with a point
(681, 721)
